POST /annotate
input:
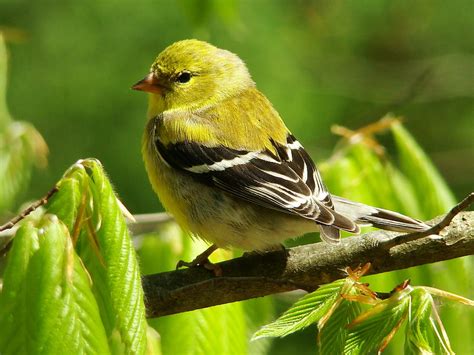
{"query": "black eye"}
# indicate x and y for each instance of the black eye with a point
(183, 77)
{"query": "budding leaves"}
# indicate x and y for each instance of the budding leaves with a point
(72, 281)
(327, 307)
(306, 311)
(419, 169)
(343, 328)
(47, 304)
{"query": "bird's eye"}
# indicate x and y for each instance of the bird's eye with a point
(183, 77)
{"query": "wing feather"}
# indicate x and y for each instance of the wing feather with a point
(287, 181)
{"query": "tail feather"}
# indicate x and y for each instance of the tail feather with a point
(377, 217)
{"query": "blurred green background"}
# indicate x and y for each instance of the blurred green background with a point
(320, 62)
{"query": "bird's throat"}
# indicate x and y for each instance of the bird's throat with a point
(156, 105)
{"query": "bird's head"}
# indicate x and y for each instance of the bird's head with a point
(191, 74)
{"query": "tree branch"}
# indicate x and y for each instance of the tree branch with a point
(303, 267)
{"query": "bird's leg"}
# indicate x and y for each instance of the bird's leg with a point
(203, 260)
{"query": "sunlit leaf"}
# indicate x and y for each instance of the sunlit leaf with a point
(216, 330)
(309, 309)
(430, 188)
(332, 337)
(57, 312)
(371, 330)
(159, 252)
(403, 191)
(21, 147)
(14, 300)
(66, 201)
(448, 295)
(423, 334)
(153, 344)
(258, 311)
(113, 267)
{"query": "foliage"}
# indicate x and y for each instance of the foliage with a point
(72, 281)
(344, 328)
(218, 330)
(313, 58)
(414, 188)
(21, 146)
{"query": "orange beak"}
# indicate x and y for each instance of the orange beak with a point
(149, 84)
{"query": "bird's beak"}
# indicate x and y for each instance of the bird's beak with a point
(149, 84)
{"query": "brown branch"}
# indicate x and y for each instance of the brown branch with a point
(303, 267)
(435, 229)
(28, 210)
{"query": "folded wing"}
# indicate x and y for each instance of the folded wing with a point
(285, 180)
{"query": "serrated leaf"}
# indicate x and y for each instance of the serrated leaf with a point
(14, 298)
(114, 266)
(308, 310)
(59, 312)
(434, 195)
(66, 201)
(370, 331)
(423, 334)
(332, 337)
(448, 295)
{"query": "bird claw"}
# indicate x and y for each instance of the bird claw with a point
(198, 262)
(203, 260)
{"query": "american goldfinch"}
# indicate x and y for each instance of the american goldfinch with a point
(224, 164)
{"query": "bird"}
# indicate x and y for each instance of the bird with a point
(224, 164)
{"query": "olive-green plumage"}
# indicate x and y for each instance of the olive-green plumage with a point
(223, 162)
(219, 105)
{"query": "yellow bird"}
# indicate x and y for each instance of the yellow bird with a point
(224, 164)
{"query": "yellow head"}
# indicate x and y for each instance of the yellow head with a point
(190, 74)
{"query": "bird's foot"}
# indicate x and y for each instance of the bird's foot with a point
(203, 260)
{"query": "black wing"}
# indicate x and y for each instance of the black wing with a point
(287, 181)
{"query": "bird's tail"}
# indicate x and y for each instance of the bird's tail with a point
(377, 217)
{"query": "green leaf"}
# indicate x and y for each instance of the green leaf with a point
(153, 344)
(332, 336)
(88, 205)
(113, 265)
(372, 329)
(14, 300)
(57, 312)
(431, 190)
(66, 201)
(258, 311)
(423, 333)
(158, 252)
(4, 115)
(404, 191)
(21, 146)
(216, 330)
(309, 309)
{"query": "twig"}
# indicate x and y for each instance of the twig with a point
(28, 210)
(434, 230)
